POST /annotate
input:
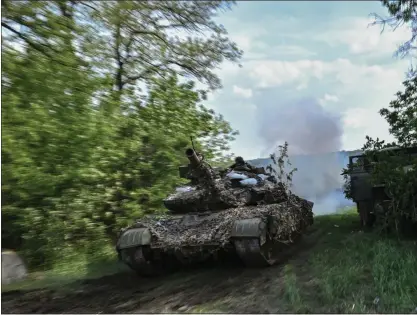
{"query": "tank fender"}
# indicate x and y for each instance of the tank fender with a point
(250, 228)
(134, 237)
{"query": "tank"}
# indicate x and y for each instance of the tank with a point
(237, 213)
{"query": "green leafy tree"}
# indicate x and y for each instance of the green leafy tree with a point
(143, 39)
(47, 124)
(84, 151)
(402, 114)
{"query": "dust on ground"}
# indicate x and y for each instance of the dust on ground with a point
(215, 289)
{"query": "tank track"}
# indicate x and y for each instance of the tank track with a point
(253, 251)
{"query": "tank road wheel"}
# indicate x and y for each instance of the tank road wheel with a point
(253, 254)
(252, 243)
(134, 250)
(140, 260)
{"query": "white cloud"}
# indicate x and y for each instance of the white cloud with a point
(243, 41)
(248, 39)
(285, 50)
(357, 117)
(269, 73)
(328, 98)
(363, 38)
(353, 77)
(359, 122)
(245, 93)
(331, 98)
(257, 43)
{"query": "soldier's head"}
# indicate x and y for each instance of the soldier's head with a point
(239, 160)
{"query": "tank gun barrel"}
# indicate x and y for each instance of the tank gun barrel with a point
(201, 169)
(193, 157)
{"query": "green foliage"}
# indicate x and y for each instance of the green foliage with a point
(347, 189)
(281, 166)
(401, 12)
(85, 150)
(142, 34)
(402, 114)
(398, 171)
(405, 8)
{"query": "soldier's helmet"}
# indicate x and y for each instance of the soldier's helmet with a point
(239, 160)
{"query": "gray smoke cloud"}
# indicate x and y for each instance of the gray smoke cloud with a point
(314, 136)
(304, 124)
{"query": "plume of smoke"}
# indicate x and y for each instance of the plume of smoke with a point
(305, 125)
(314, 136)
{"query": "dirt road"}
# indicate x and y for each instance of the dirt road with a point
(215, 289)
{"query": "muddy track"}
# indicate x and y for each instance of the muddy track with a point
(239, 290)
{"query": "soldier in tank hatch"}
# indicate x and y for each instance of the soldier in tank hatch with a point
(241, 165)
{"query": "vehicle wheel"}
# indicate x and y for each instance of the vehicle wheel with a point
(380, 210)
(367, 218)
(140, 260)
(257, 252)
(253, 254)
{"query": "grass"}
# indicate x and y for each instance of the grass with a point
(352, 271)
(292, 291)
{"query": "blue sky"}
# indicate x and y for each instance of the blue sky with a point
(313, 74)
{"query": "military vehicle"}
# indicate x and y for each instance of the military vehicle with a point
(221, 214)
(372, 198)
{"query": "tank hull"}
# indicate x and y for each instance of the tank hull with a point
(253, 235)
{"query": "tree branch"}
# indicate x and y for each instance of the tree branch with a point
(27, 40)
(36, 46)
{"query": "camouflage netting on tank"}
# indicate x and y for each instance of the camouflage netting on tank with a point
(289, 218)
(205, 200)
(218, 203)
(224, 197)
